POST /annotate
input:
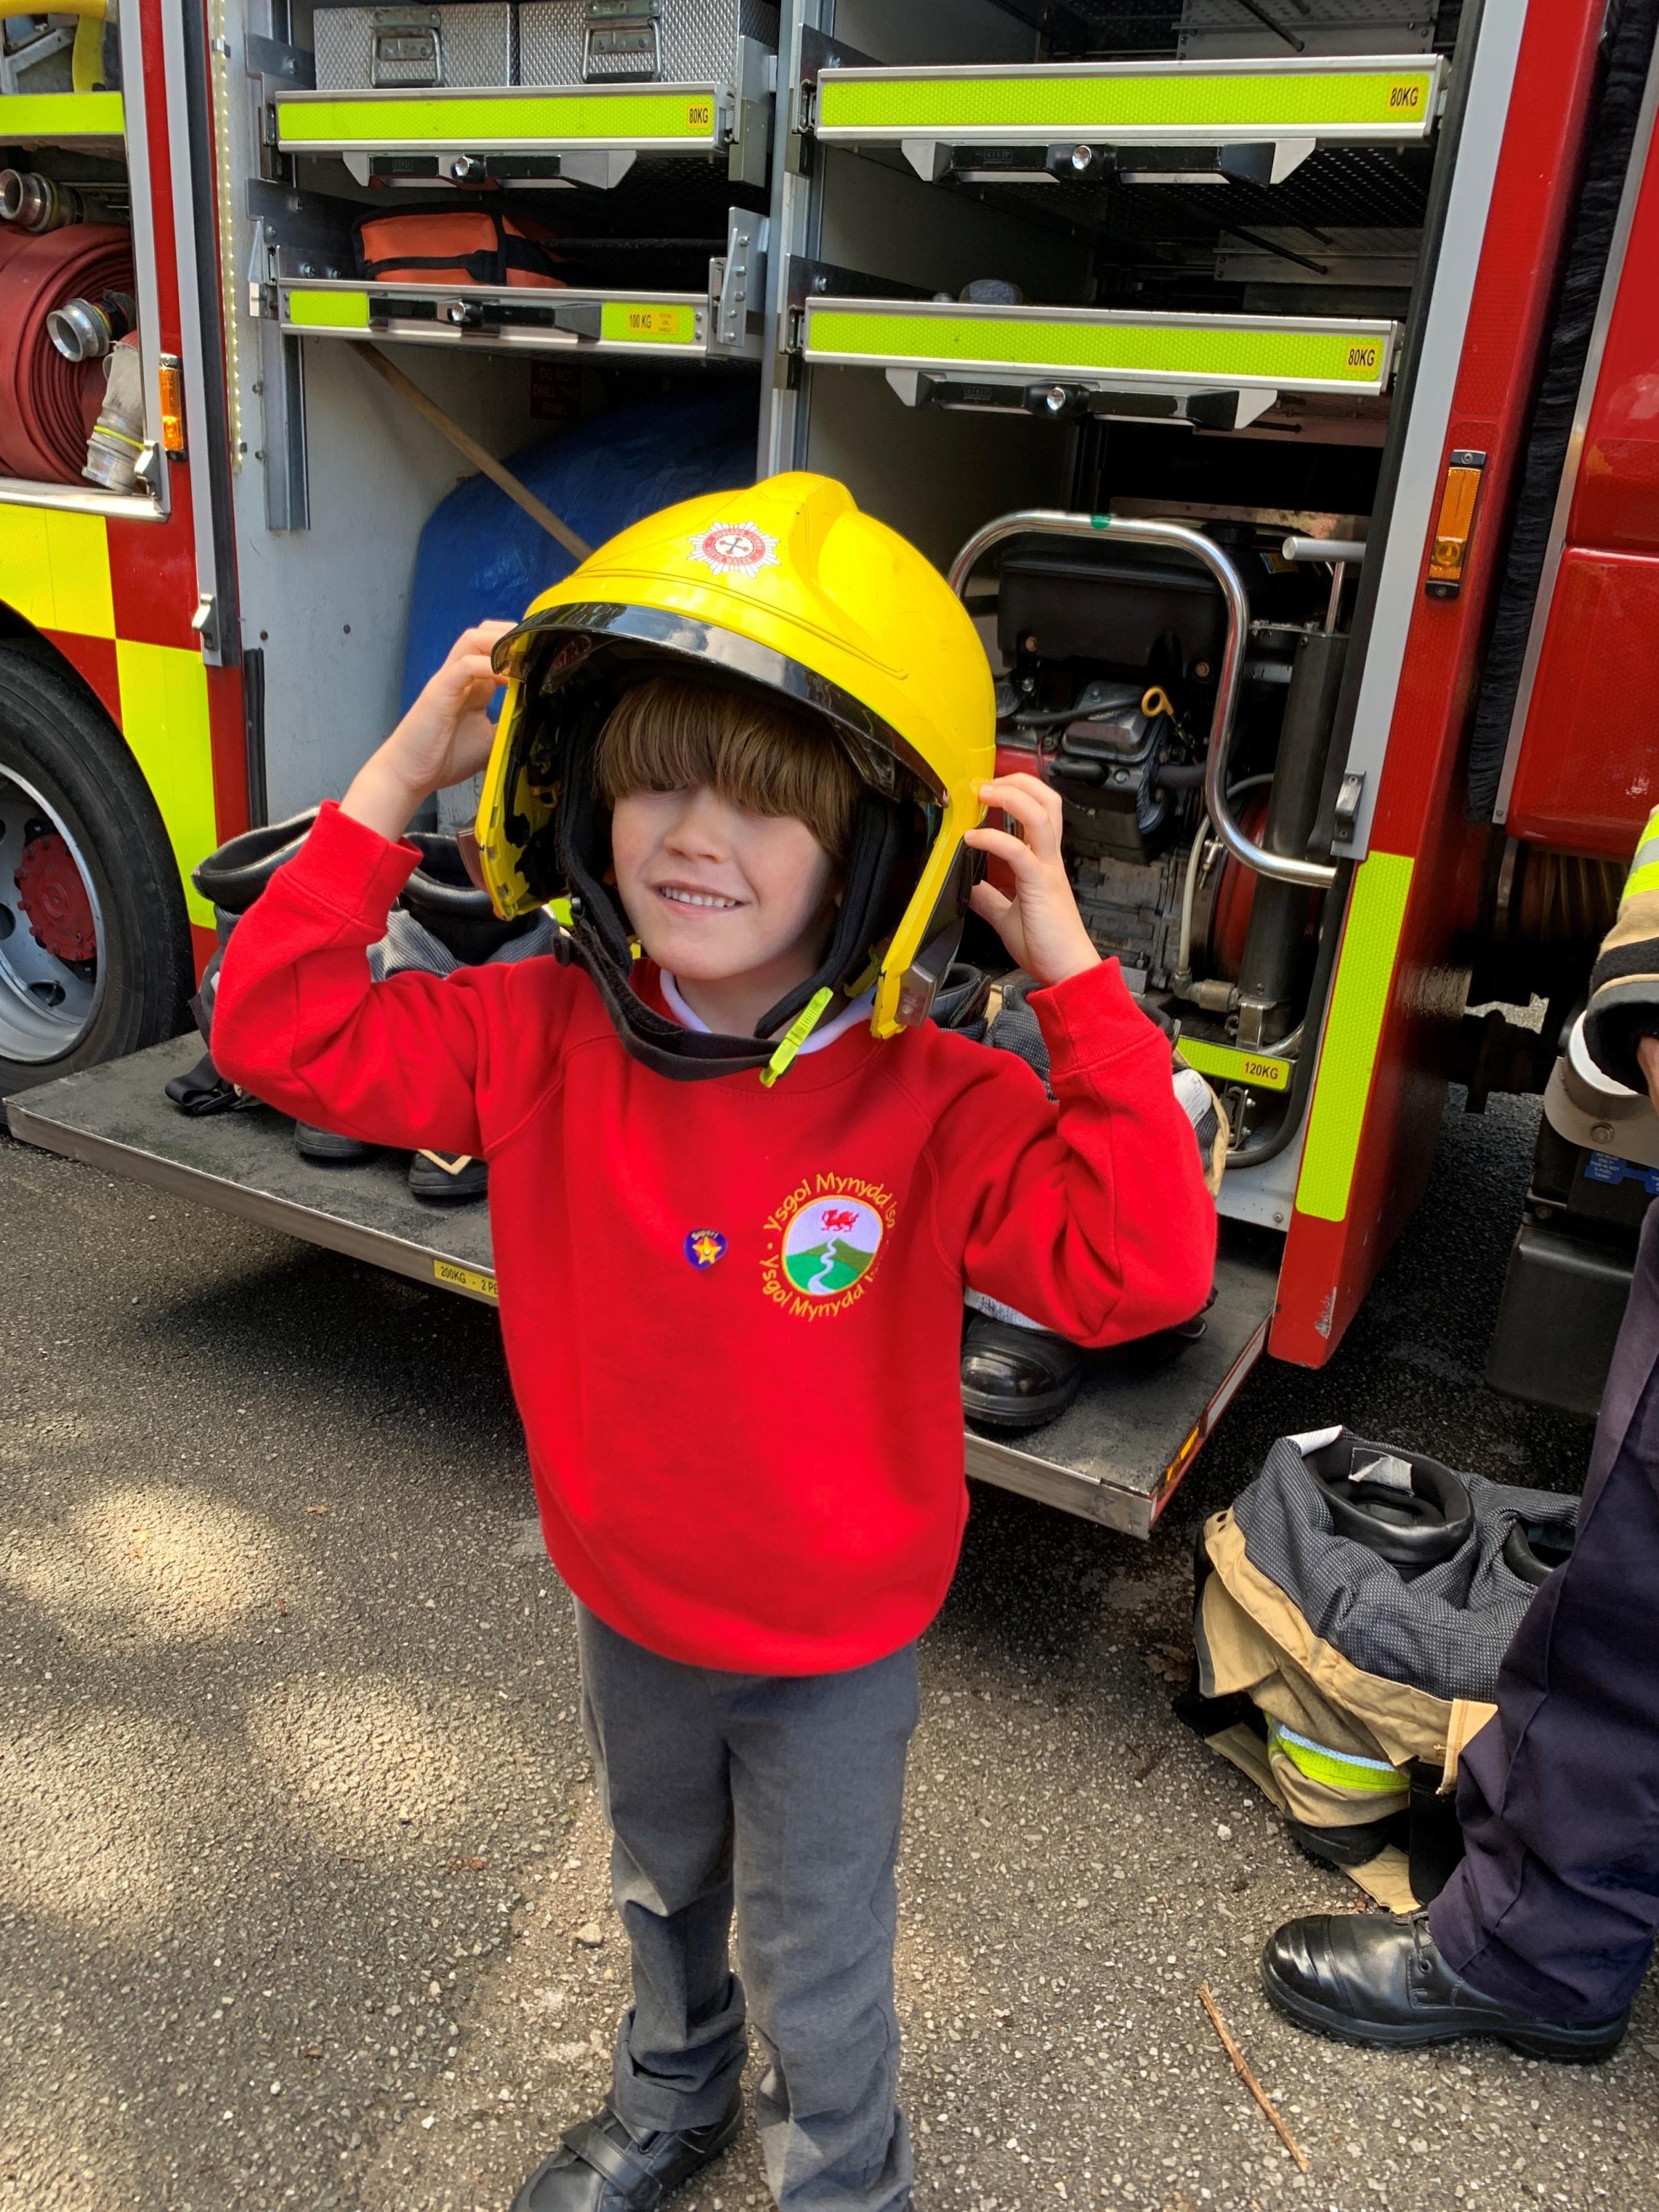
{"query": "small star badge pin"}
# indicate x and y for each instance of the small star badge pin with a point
(704, 1246)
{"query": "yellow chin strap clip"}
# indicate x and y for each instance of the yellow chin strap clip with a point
(795, 1036)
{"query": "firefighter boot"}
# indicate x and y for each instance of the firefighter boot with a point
(602, 2167)
(1016, 1377)
(443, 898)
(1375, 1980)
(233, 877)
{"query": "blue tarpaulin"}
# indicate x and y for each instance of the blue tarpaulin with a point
(482, 558)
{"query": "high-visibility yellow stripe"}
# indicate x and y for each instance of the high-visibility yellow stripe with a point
(1644, 879)
(164, 718)
(54, 570)
(1360, 998)
(481, 119)
(60, 114)
(328, 311)
(1241, 352)
(1186, 97)
(1339, 1770)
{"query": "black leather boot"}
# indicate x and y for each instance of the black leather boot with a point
(233, 877)
(1016, 1378)
(444, 899)
(1372, 1979)
(600, 2167)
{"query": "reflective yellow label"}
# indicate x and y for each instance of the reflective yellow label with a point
(626, 322)
(483, 119)
(1235, 351)
(26, 115)
(328, 311)
(464, 1278)
(1356, 102)
(1227, 1062)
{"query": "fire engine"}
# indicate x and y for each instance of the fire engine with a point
(1272, 378)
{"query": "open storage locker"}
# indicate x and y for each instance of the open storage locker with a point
(1134, 365)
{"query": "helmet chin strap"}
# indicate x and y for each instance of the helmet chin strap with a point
(598, 940)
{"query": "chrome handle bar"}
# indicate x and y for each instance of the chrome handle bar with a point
(1054, 522)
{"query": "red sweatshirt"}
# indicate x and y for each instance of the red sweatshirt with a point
(732, 1315)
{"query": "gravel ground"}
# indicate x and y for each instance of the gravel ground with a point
(301, 1879)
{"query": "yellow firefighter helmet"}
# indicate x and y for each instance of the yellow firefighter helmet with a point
(788, 588)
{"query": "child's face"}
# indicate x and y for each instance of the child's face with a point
(715, 892)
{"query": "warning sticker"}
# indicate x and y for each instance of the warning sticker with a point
(464, 1278)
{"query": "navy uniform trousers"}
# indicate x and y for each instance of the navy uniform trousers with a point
(1555, 1907)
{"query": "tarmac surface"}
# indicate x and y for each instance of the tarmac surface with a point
(302, 1896)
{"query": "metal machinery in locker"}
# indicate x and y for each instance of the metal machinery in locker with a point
(1193, 338)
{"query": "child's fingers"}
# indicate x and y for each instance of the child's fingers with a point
(1028, 866)
(1034, 807)
(990, 904)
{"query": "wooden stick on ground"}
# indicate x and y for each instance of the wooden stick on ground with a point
(1247, 2078)
(391, 373)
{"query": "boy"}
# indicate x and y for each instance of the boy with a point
(758, 753)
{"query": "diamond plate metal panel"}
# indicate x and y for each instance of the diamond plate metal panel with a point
(475, 40)
(699, 39)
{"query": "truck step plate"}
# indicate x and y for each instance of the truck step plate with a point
(677, 119)
(1114, 1457)
(1358, 100)
(116, 1118)
(1188, 352)
(1118, 1452)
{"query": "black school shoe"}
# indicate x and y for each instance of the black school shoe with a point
(1371, 1979)
(1016, 1378)
(601, 2167)
(323, 1146)
(447, 1178)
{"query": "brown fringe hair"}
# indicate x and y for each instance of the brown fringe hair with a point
(668, 735)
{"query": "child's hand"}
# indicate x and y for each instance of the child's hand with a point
(446, 737)
(1040, 925)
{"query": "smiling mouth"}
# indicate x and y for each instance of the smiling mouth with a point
(677, 895)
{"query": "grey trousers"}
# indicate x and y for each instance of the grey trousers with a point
(781, 1796)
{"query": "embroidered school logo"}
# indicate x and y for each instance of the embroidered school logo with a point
(704, 1246)
(735, 548)
(821, 1243)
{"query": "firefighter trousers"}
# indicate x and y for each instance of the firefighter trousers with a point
(781, 1796)
(1555, 1907)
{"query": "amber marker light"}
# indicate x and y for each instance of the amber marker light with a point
(170, 379)
(1454, 528)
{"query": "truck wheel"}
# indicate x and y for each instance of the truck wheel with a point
(95, 941)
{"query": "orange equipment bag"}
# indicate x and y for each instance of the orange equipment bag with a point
(471, 246)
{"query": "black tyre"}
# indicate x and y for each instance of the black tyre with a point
(94, 940)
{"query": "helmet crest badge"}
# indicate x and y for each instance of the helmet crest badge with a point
(735, 548)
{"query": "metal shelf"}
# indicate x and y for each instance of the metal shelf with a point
(661, 325)
(1178, 357)
(1387, 99)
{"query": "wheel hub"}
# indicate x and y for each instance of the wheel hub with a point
(52, 898)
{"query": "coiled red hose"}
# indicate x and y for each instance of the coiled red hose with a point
(48, 404)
